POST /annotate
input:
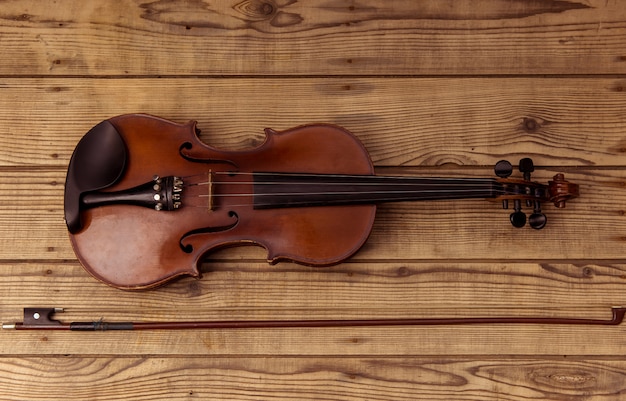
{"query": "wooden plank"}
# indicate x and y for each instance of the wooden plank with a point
(511, 340)
(154, 378)
(246, 290)
(430, 89)
(590, 227)
(128, 37)
(401, 121)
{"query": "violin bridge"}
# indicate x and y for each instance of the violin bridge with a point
(210, 190)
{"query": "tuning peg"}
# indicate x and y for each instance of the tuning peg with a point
(503, 169)
(518, 218)
(526, 167)
(537, 220)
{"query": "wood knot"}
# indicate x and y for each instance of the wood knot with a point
(564, 377)
(256, 10)
(530, 125)
(572, 379)
(194, 289)
(403, 272)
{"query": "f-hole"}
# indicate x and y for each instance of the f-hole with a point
(188, 248)
(184, 149)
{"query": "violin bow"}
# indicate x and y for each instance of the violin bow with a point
(42, 319)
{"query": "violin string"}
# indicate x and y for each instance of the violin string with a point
(462, 186)
(414, 182)
(334, 175)
(314, 175)
(304, 203)
(473, 189)
(461, 191)
(330, 201)
(444, 188)
(329, 183)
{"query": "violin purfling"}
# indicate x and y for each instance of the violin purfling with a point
(146, 201)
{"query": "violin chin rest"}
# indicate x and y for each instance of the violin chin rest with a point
(98, 162)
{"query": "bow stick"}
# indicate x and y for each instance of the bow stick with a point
(41, 319)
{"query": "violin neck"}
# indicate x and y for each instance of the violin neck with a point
(279, 190)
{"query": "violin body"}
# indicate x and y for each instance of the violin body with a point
(146, 200)
(137, 247)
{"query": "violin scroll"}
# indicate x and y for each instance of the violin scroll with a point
(561, 190)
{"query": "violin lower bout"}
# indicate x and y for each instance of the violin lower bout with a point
(132, 251)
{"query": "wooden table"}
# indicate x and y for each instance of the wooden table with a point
(430, 88)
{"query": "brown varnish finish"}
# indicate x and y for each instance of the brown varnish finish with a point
(257, 196)
(134, 247)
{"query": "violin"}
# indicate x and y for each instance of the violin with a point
(146, 201)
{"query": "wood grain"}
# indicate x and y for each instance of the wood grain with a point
(510, 340)
(281, 37)
(401, 121)
(246, 290)
(343, 379)
(431, 88)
